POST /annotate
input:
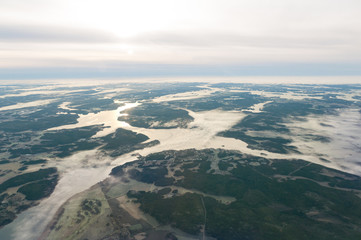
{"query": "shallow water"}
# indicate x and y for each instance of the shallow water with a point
(109, 119)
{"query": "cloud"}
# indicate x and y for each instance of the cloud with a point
(306, 39)
(44, 33)
(66, 34)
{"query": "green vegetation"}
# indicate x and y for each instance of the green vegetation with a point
(67, 136)
(4, 162)
(155, 156)
(273, 199)
(340, 179)
(34, 185)
(91, 205)
(276, 144)
(224, 165)
(270, 203)
(62, 143)
(34, 162)
(124, 141)
(92, 104)
(184, 212)
(117, 171)
(38, 190)
(157, 116)
(122, 138)
(27, 178)
(228, 101)
(23, 168)
(88, 207)
(6, 217)
(164, 191)
(149, 175)
(273, 119)
(38, 120)
(149, 91)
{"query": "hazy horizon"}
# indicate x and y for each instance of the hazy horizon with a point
(111, 39)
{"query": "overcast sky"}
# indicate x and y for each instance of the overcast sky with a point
(43, 38)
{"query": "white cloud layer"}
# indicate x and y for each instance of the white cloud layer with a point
(53, 33)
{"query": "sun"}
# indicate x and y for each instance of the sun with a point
(126, 18)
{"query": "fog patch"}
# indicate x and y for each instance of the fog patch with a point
(265, 134)
(42, 92)
(284, 95)
(203, 133)
(257, 108)
(186, 95)
(27, 105)
(343, 145)
(65, 105)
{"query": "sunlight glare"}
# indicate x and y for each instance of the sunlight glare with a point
(126, 18)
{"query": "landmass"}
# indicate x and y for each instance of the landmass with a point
(214, 194)
(271, 161)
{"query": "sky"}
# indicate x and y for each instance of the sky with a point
(117, 38)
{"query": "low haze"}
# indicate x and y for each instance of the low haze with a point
(40, 39)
